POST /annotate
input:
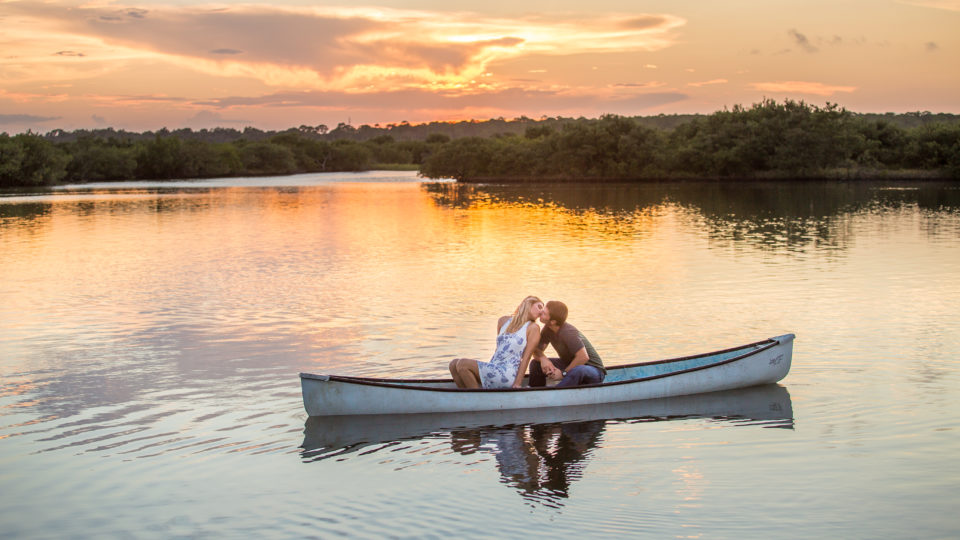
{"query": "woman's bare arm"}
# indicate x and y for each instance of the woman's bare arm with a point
(533, 340)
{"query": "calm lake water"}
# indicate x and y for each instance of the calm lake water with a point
(151, 336)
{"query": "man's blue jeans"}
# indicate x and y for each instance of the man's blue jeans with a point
(575, 377)
(581, 375)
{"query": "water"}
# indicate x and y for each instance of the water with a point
(151, 336)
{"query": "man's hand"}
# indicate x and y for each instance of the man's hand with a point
(551, 371)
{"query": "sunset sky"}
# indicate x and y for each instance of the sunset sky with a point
(152, 64)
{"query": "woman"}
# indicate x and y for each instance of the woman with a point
(516, 340)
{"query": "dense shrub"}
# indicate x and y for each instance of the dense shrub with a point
(767, 140)
(770, 139)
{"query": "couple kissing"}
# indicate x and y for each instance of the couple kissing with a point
(521, 344)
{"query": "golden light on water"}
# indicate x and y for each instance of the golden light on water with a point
(152, 335)
(329, 261)
(336, 264)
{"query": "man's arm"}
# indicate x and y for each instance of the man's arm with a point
(579, 359)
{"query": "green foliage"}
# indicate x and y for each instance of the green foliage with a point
(94, 160)
(349, 156)
(437, 138)
(416, 150)
(30, 160)
(767, 140)
(11, 158)
(161, 158)
(770, 139)
(536, 132)
(935, 146)
(267, 158)
(460, 157)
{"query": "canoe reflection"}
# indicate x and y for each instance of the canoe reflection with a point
(324, 435)
(539, 452)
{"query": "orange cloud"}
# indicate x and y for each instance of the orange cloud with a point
(417, 99)
(802, 87)
(341, 47)
(707, 83)
(950, 5)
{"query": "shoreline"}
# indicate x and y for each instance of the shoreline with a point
(831, 176)
(839, 175)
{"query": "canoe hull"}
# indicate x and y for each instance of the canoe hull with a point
(768, 362)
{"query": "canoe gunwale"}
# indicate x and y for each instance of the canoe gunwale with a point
(406, 384)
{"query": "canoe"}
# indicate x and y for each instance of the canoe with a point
(767, 406)
(762, 362)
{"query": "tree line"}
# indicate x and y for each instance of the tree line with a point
(769, 139)
(33, 160)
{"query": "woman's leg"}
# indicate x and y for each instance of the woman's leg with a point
(455, 373)
(469, 373)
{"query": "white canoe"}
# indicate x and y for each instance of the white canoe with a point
(762, 362)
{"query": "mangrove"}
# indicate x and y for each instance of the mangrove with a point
(768, 140)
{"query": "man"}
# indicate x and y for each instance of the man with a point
(579, 362)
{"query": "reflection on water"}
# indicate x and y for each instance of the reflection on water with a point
(730, 199)
(538, 452)
(761, 214)
(539, 461)
(151, 336)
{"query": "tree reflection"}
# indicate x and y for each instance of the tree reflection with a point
(765, 215)
(24, 214)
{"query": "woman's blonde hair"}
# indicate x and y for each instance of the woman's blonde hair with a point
(520, 315)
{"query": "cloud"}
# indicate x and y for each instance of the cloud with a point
(949, 5)
(421, 100)
(210, 119)
(98, 120)
(802, 87)
(145, 99)
(271, 62)
(340, 47)
(802, 41)
(645, 22)
(931, 46)
(25, 118)
(650, 84)
(707, 83)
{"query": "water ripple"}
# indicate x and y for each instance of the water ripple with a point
(151, 336)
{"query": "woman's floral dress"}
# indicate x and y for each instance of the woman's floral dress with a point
(501, 370)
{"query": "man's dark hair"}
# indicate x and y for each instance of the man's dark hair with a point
(558, 311)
